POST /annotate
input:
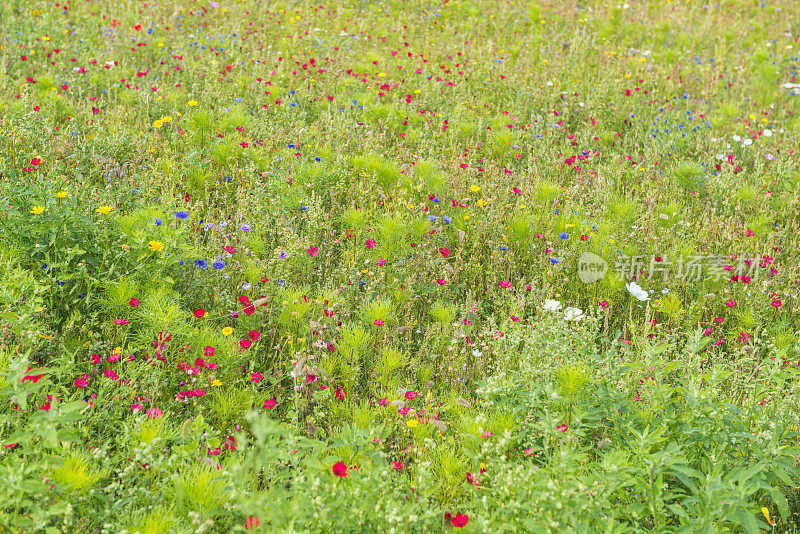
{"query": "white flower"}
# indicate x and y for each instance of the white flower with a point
(737, 138)
(634, 289)
(573, 314)
(552, 305)
(767, 133)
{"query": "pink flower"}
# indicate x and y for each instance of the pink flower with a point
(708, 331)
(383, 402)
(378, 322)
(505, 284)
(603, 304)
(96, 359)
(254, 335)
(371, 243)
(515, 318)
(381, 262)
(561, 428)
(517, 191)
(411, 395)
(81, 383)
(120, 322)
(111, 374)
(340, 394)
(256, 377)
(441, 281)
(445, 251)
(719, 320)
(133, 302)
(749, 233)
(154, 413)
(528, 451)
(136, 407)
(730, 303)
(269, 404)
(397, 466)
(245, 343)
(313, 251)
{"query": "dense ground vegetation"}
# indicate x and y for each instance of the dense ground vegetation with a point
(398, 266)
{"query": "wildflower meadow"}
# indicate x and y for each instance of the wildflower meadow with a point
(398, 266)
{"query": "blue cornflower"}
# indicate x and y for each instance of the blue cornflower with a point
(283, 255)
(503, 248)
(281, 283)
(437, 200)
(432, 217)
(447, 219)
(180, 263)
(303, 208)
(219, 264)
(563, 235)
(557, 212)
(201, 264)
(181, 214)
(290, 145)
(553, 260)
(227, 178)
(158, 221)
(318, 158)
(82, 296)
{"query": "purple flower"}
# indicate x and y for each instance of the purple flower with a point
(245, 228)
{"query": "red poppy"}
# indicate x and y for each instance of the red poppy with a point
(252, 522)
(245, 343)
(411, 395)
(254, 335)
(340, 394)
(460, 520)
(340, 469)
(200, 313)
(133, 302)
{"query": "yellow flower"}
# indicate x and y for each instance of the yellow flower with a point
(765, 511)
(158, 124)
(156, 245)
(466, 217)
(61, 194)
(191, 103)
(103, 210)
(215, 383)
(474, 188)
(411, 423)
(166, 119)
(481, 203)
(227, 331)
(37, 210)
